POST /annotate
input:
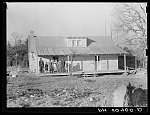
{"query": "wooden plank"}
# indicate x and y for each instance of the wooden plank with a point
(88, 65)
(113, 64)
(125, 63)
(103, 64)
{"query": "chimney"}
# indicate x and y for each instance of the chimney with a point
(31, 34)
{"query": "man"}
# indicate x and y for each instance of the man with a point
(51, 68)
(41, 65)
(63, 65)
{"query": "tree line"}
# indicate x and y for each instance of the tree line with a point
(17, 53)
(130, 24)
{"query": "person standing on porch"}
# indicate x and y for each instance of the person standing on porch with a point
(46, 67)
(63, 65)
(51, 69)
(55, 66)
(41, 64)
(66, 67)
(59, 66)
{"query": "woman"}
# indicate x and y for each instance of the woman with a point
(55, 66)
(51, 68)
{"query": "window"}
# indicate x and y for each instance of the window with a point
(79, 43)
(74, 43)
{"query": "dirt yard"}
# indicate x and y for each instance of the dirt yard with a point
(28, 90)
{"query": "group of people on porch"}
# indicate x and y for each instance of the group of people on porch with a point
(53, 66)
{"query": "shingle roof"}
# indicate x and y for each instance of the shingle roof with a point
(55, 45)
(50, 41)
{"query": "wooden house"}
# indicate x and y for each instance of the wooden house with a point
(90, 53)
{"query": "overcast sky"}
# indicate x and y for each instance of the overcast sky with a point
(59, 19)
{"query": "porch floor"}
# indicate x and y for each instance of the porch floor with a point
(82, 72)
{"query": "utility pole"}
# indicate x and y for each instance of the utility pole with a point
(111, 31)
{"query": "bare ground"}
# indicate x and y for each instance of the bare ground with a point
(28, 90)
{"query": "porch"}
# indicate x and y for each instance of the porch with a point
(83, 73)
(86, 62)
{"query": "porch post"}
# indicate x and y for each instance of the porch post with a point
(135, 62)
(68, 63)
(107, 64)
(125, 63)
(37, 65)
(97, 61)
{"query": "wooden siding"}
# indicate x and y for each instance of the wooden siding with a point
(83, 63)
(103, 64)
(113, 62)
(108, 62)
(88, 62)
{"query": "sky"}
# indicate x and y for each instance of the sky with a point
(59, 19)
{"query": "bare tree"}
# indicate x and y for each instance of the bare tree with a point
(16, 37)
(18, 52)
(131, 24)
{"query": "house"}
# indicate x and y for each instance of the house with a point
(90, 53)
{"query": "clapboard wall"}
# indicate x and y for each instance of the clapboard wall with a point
(84, 63)
(107, 62)
(89, 62)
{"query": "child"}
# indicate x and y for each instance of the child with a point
(46, 67)
(55, 66)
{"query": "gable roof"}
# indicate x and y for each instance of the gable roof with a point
(56, 45)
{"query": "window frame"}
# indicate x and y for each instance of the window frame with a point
(78, 43)
(74, 43)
